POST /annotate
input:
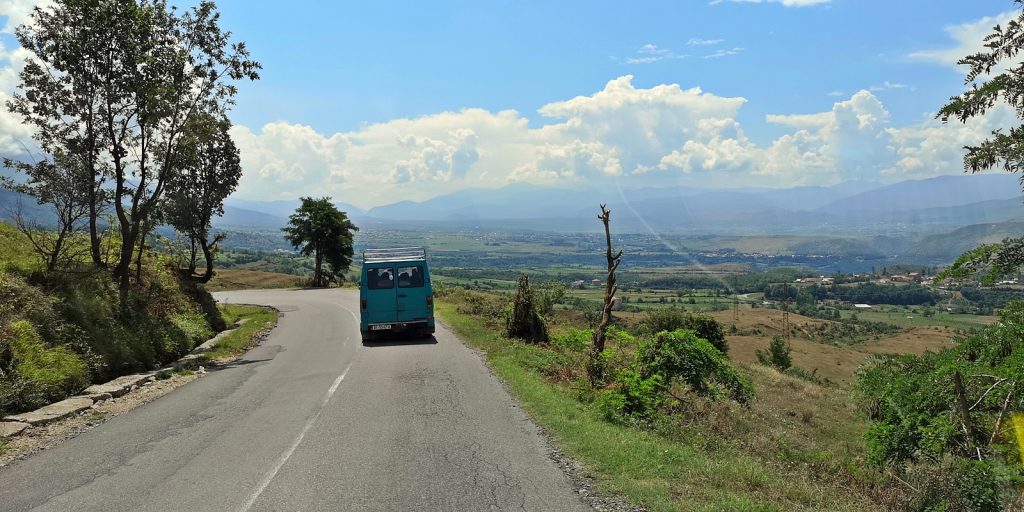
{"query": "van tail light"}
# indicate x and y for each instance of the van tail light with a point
(362, 304)
(430, 301)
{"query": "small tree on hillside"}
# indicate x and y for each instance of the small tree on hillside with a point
(525, 322)
(318, 228)
(61, 184)
(777, 354)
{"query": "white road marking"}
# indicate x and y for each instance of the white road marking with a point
(354, 315)
(269, 476)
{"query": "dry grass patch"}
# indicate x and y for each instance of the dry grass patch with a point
(232, 279)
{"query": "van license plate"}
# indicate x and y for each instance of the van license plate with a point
(381, 327)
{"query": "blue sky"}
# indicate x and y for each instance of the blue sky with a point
(375, 102)
(335, 65)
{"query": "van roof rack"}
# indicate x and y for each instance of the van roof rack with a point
(395, 254)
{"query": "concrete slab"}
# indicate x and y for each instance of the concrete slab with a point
(210, 343)
(11, 428)
(52, 412)
(120, 385)
(95, 397)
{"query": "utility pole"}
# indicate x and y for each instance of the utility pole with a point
(735, 302)
(785, 310)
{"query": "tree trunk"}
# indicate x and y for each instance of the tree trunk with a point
(94, 196)
(94, 233)
(138, 259)
(208, 254)
(192, 257)
(964, 409)
(318, 271)
(122, 272)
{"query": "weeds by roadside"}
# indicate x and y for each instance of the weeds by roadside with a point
(260, 319)
(714, 455)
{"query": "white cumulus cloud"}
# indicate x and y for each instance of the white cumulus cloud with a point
(968, 39)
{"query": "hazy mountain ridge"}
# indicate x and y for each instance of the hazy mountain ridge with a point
(927, 221)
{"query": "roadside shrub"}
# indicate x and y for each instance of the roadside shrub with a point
(193, 326)
(666, 360)
(634, 397)
(682, 355)
(572, 340)
(525, 322)
(673, 319)
(547, 295)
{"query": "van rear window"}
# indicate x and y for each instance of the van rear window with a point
(380, 278)
(410, 277)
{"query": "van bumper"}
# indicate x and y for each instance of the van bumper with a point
(427, 325)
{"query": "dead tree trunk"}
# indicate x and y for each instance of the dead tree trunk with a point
(596, 367)
(965, 411)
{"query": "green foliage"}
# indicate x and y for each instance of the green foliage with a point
(694, 361)
(572, 340)
(670, 320)
(1003, 149)
(194, 326)
(868, 293)
(525, 322)
(777, 355)
(318, 228)
(210, 168)
(911, 401)
(79, 316)
(635, 397)
(663, 361)
(848, 331)
(547, 295)
(43, 373)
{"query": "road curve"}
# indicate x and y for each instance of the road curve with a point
(309, 420)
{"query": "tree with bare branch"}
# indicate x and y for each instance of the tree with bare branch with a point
(66, 187)
(596, 367)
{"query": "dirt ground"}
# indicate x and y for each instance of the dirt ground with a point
(838, 364)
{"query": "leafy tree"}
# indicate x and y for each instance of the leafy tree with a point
(210, 170)
(61, 97)
(318, 228)
(130, 76)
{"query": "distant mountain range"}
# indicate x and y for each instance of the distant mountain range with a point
(932, 220)
(861, 208)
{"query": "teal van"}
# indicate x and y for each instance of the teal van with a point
(395, 293)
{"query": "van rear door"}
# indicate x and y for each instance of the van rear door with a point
(381, 304)
(412, 293)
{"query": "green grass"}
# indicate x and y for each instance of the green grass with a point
(905, 317)
(240, 339)
(648, 469)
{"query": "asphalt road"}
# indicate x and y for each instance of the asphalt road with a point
(309, 420)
